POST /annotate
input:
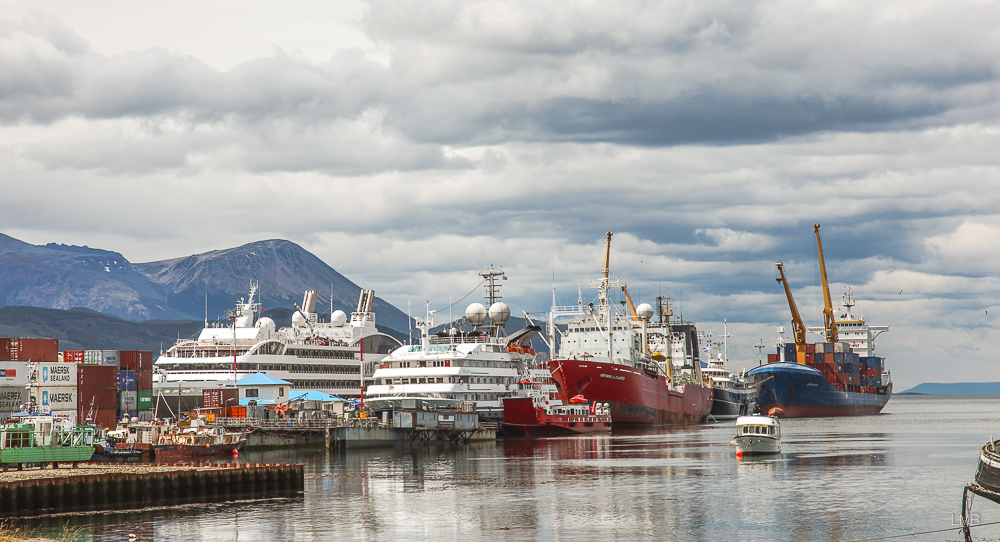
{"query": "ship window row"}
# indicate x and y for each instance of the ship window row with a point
(200, 353)
(757, 430)
(197, 366)
(496, 364)
(320, 384)
(446, 380)
(323, 354)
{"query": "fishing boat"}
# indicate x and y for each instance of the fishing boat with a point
(757, 435)
(733, 395)
(110, 446)
(839, 376)
(197, 440)
(44, 439)
(479, 365)
(649, 372)
(523, 417)
(314, 355)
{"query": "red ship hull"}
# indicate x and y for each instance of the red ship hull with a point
(635, 397)
(521, 418)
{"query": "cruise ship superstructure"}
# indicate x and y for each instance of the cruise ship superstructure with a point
(325, 356)
(482, 365)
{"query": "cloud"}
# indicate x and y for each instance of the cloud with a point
(410, 144)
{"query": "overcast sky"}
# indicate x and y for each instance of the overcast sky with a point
(410, 144)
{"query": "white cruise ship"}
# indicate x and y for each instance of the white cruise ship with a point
(482, 365)
(324, 356)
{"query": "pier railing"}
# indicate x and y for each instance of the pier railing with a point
(292, 423)
(333, 423)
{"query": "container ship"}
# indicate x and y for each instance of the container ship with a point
(648, 372)
(840, 376)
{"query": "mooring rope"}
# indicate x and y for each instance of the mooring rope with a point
(920, 532)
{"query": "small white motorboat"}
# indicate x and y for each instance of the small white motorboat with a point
(757, 435)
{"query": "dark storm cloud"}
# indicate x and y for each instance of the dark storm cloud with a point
(703, 75)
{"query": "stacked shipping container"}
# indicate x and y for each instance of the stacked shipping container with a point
(844, 369)
(22, 349)
(97, 394)
(54, 389)
(139, 363)
(13, 387)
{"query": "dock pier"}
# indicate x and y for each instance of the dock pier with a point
(339, 434)
(95, 487)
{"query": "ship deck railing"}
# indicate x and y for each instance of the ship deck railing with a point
(292, 423)
(333, 423)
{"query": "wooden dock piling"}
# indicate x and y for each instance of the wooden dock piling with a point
(133, 487)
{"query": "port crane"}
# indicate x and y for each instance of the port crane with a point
(830, 320)
(798, 327)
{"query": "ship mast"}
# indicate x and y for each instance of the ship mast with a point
(831, 321)
(603, 290)
(798, 327)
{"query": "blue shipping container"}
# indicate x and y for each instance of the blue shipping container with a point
(128, 381)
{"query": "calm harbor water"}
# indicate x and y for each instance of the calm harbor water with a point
(838, 479)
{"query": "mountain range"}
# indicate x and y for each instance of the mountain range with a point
(955, 388)
(197, 287)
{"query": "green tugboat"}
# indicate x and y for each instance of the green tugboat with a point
(44, 439)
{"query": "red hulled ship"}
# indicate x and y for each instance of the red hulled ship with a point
(649, 372)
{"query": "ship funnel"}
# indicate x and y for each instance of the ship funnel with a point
(309, 301)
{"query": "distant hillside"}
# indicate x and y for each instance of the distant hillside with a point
(84, 329)
(63, 277)
(957, 388)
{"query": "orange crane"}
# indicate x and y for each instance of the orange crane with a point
(631, 306)
(830, 320)
(798, 327)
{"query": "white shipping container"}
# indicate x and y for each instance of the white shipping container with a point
(128, 400)
(54, 398)
(109, 357)
(93, 356)
(13, 373)
(56, 374)
(11, 398)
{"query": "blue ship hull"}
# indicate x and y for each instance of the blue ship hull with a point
(801, 391)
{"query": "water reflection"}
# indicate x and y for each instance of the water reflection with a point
(837, 479)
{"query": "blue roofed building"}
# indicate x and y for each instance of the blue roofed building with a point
(262, 388)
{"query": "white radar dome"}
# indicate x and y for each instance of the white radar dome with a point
(499, 313)
(338, 318)
(298, 320)
(476, 314)
(266, 324)
(645, 311)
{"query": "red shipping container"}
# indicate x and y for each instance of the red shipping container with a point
(97, 377)
(88, 398)
(810, 348)
(145, 380)
(28, 349)
(106, 417)
(73, 356)
(220, 397)
(136, 360)
(772, 358)
(236, 412)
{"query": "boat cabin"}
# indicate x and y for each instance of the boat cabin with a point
(758, 425)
